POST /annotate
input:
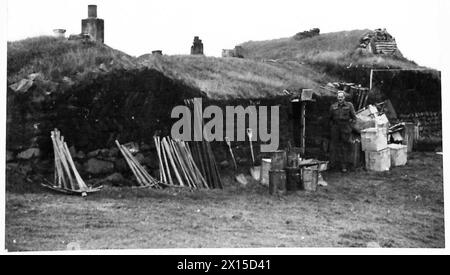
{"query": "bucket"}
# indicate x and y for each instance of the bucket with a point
(277, 182)
(310, 177)
(265, 168)
(293, 179)
(378, 160)
(278, 160)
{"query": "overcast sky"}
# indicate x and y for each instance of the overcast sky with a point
(137, 26)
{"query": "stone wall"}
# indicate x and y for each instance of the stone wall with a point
(126, 105)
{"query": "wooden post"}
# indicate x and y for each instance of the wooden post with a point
(303, 128)
(371, 80)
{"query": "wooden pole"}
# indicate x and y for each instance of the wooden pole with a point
(227, 140)
(169, 176)
(303, 128)
(185, 163)
(81, 184)
(64, 161)
(147, 179)
(216, 169)
(371, 80)
(172, 162)
(198, 156)
(250, 135)
(178, 160)
(161, 166)
(59, 174)
(194, 166)
(60, 168)
(137, 176)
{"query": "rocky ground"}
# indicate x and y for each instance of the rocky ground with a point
(400, 208)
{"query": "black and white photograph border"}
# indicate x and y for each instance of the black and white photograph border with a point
(171, 127)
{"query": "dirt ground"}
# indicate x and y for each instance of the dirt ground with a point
(400, 208)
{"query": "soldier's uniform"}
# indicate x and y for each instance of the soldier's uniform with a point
(342, 115)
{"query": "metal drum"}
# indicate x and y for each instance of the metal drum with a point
(310, 177)
(293, 179)
(277, 182)
(355, 154)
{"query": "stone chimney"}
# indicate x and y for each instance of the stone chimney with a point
(197, 46)
(93, 26)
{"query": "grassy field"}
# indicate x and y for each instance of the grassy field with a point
(400, 208)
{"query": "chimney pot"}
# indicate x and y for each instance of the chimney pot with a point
(92, 11)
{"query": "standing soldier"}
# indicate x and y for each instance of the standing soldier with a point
(342, 115)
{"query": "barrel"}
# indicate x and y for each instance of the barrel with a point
(310, 177)
(277, 182)
(278, 160)
(355, 154)
(293, 179)
(265, 168)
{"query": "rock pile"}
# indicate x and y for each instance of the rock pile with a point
(122, 104)
(307, 34)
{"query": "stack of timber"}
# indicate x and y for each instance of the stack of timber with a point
(379, 41)
(360, 96)
(67, 179)
(201, 150)
(176, 164)
(384, 47)
(144, 179)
